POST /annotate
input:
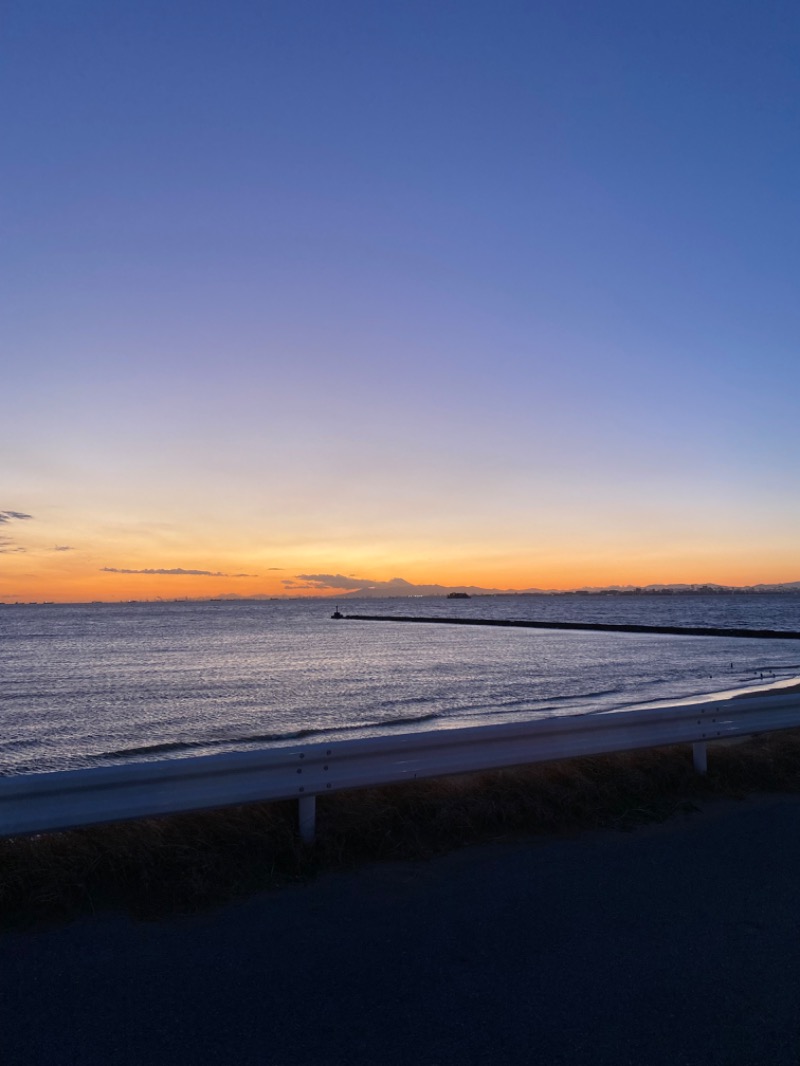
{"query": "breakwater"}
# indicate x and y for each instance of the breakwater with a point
(600, 627)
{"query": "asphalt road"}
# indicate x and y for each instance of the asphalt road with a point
(677, 944)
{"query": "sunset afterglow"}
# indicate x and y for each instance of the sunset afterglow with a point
(502, 296)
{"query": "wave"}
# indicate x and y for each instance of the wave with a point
(534, 703)
(166, 746)
(582, 695)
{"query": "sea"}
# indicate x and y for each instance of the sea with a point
(101, 684)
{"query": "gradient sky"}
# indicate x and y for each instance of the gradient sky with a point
(488, 293)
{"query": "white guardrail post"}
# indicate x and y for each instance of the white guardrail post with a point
(307, 818)
(700, 756)
(43, 802)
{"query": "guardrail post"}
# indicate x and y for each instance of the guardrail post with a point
(308, 818)
(700, 756)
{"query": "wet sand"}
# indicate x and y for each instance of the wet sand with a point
(674, 944)
(780, 688)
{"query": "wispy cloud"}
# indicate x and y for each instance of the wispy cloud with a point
(7, 546)
(63, 548)
(174, 572)
(276, 568)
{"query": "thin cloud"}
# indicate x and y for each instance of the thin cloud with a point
(276, 568)
(177, 571)
(351, 584)
(63, 548)
(334, 581)
(396, 586)
(13, 516)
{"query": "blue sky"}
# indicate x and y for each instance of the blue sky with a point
(477, 293)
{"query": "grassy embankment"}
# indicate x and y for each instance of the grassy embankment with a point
(162, 866)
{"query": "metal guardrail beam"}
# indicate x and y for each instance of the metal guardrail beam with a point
(36, 803)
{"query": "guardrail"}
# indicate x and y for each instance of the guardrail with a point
(37, 803)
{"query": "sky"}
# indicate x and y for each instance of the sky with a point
(493, 293)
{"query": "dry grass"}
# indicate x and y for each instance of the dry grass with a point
(162, 866)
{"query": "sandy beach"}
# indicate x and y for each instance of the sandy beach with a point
(674, 944)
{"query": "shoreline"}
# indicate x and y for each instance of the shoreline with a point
(780, 688)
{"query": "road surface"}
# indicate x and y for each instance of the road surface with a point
(674, 944)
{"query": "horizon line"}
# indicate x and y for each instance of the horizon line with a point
(368, 592)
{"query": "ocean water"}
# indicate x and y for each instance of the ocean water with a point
(97, 684)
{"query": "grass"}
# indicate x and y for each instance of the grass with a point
(158, 867)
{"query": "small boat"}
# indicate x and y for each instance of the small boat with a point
(458, 595)
(337, 614)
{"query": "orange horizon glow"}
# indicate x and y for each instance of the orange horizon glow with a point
(67, 559)
(84, 586)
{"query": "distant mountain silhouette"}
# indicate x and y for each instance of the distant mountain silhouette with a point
(400, 588)
(382, 591)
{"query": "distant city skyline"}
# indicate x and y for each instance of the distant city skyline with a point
(502, 295)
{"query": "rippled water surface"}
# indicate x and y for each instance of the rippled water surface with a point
(96, 684)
